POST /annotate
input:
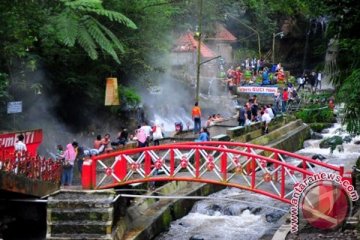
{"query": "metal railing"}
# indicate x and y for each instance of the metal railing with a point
(259, 169)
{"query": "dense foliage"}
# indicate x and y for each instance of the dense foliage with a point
(345, 68)
(316, 114)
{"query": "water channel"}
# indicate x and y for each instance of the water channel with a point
(253, 216)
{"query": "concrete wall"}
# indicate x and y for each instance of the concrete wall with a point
(20, 184)
(222, 49)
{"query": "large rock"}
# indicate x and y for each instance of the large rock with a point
(325, 130)
(301, 165)
(319, 157)
(315, 135)
(196, 237)
(347, 139)
(318, 127)
(256, 210)
(273, 217)
(331, 142)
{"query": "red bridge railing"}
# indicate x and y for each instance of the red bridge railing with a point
(33, 167)
(27, 164)
(259, 169)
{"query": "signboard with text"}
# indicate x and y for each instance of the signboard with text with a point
(14, 107)
(257, 90)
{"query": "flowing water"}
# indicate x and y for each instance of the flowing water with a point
(248, 216)
(254, 215)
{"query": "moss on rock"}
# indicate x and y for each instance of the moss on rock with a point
(318, 127)
(331, 142)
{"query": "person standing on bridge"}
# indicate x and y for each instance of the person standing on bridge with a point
(20, 149)
(19, 144)
(79, 153)
(68, 165)
(196, 115)
(242, 115)
(285, 99)
(157, 133)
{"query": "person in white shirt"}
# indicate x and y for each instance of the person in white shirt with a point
(265, 118)
(19, 144)
(20, 148)
(148, 130)
(269, 111)
(318, 81)
(301, 82)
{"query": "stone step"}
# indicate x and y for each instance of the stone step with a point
(81, 194)
(79, 203)
(77, 199)
(77, 214)
(80, 227)
(79, 236)
(58, 214)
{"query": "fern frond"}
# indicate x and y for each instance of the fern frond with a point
(99, 37)
(114, 16)
(116, 42)
(87, 43)
(67, 28)
(83, 4)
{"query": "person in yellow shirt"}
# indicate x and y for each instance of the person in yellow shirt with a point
(196, 116)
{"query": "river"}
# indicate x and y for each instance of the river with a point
(255, 216)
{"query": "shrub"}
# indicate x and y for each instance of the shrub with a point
(316, 115)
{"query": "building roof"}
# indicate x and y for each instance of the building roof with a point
(187, 43)
(222, 34)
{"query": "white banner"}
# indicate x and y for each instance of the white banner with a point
(257, 89)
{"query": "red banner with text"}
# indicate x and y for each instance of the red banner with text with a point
(32, 139)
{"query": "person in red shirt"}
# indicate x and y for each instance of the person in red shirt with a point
(285, 98)
(237, 76)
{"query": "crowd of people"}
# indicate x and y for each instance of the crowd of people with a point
(248, 72)
(212, 119)
(313, 79)
(74, 153)
(253, 112)
(251, 69)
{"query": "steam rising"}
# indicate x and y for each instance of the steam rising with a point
(169, 98)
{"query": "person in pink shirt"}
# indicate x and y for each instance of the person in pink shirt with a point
(68, 165)
(141, 137)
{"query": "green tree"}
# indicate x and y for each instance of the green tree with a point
(76, 23)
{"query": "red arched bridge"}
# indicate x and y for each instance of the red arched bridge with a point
(264, 170)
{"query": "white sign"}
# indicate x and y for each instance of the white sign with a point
(14, 107)
(257, 89)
